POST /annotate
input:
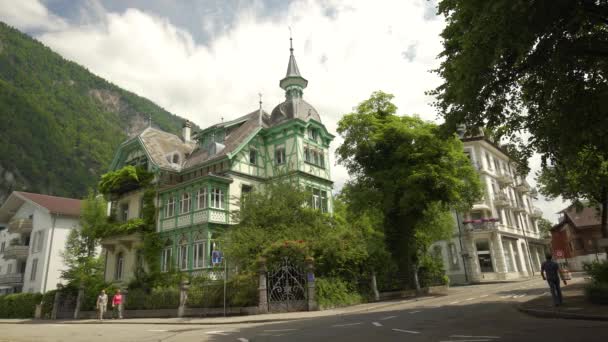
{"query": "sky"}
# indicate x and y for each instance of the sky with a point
(209, 59)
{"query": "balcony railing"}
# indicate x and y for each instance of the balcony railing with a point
(503, 178)
(11, 279)
(479, 225)
(536, 213)
(197, 217)
(519, 208)
(20, 226)
(18, 252)
(522, 186)
(501, 201)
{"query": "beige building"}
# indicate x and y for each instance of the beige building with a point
(499, 238)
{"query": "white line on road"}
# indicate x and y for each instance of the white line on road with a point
(471, 336)
(378, 324)
(242, 339)
(345, 325)
(407, 331)
(417, 311)
(484, 296)
(279, 330)
(157, 330)
(219, 332)
(505, 297)
(456, 302)
(468, 299)
(483, 340)
(388, 317)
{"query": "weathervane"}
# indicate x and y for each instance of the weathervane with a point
(290, 41)
(260, 95)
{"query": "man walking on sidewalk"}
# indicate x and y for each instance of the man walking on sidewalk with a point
(550, 272)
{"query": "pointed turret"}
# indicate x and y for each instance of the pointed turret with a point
(293, 83)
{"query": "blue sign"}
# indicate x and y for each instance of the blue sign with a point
(216, 257)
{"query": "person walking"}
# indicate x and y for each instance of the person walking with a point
(102, 304)
(550, 272)
(117, 304)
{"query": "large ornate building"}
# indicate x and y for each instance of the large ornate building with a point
(498, 239)
(200, 178)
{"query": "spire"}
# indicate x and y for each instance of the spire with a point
(293, 83)
(260, 111)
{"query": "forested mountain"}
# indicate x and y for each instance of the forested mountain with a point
(59, 123)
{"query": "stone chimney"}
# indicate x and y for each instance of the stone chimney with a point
(186, 131)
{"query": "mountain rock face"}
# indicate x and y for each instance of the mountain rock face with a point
(59, 123)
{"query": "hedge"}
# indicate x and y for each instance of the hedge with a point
(19, 305)
(335, 292)
(158, 298)
(597, 293)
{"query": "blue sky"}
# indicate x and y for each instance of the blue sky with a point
(209, 59)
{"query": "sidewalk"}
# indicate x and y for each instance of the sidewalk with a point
(575, 305)
(264, 318)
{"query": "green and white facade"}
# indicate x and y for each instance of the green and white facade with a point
(200, 181)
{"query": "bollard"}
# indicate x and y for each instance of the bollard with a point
(262, 287)
(183, 298)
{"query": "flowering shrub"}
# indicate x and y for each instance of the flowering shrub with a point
(296, 250)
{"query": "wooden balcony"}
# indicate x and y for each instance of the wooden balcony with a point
(18, 252)
(196, 217)
(20, 226)
(12, 279)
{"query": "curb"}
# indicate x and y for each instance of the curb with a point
(559, 314)
(161, 321)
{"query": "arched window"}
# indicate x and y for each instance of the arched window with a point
(120, 263)
(176, 158)
(184, 204)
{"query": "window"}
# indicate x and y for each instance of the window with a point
(120, 264)
(324, 207)
(38, 241)
(279, 155)
(124, 212)
(453, 256)
(34, 269)
(217, 198)
(507, 251)
(313, 134)
(175, 158)
(314, 157)
(199, 253)
(184, 204)
(253, 156)
(170, 208)
(577, 244)
(483, 256)
(201, 198)
(488, 161)
(321, 159)
(9, 269)
(166, 259)
(182, 256)
(319, 199)
(2, 247)
(306, 154)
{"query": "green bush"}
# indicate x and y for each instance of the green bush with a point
(431, 272)
(158, 298)
(334, 292)
(48, 299)
(597, 293)
(598, 271)
(241, 291)
(19, 305)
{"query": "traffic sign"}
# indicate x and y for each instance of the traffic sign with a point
(216, 257)
(559, 253)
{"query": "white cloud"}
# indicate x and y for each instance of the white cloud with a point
(30, 15)
(346, 49)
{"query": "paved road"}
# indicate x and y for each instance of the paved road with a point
(470, 314)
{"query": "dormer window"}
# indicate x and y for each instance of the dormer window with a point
(312, 134)
(175, 158)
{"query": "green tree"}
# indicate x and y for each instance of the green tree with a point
(537, 67)
(83, 265)
(408, 170)
(544, 226)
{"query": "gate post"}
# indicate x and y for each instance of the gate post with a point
(310, 284)
(183, 297)
(56, 301)
(262, 288)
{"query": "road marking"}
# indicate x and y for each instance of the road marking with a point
(484, 296)
(471, 336)
(505, 297)
(468, 299)
(242, 339)
(456, 302)
(157, 330)
(345, 325)
(280, 330)
(482, 340)
(219, 332)
(413, 312)
(519, 296)
(407, 331)
(388, 317)
(377, 324)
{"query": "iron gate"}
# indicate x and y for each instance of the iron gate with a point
(286, 287)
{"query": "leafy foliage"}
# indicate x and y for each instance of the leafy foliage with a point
(544, 227)
(19, 305)
(60, 124)
(408, 172)
(124, 180)
(335, 292)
